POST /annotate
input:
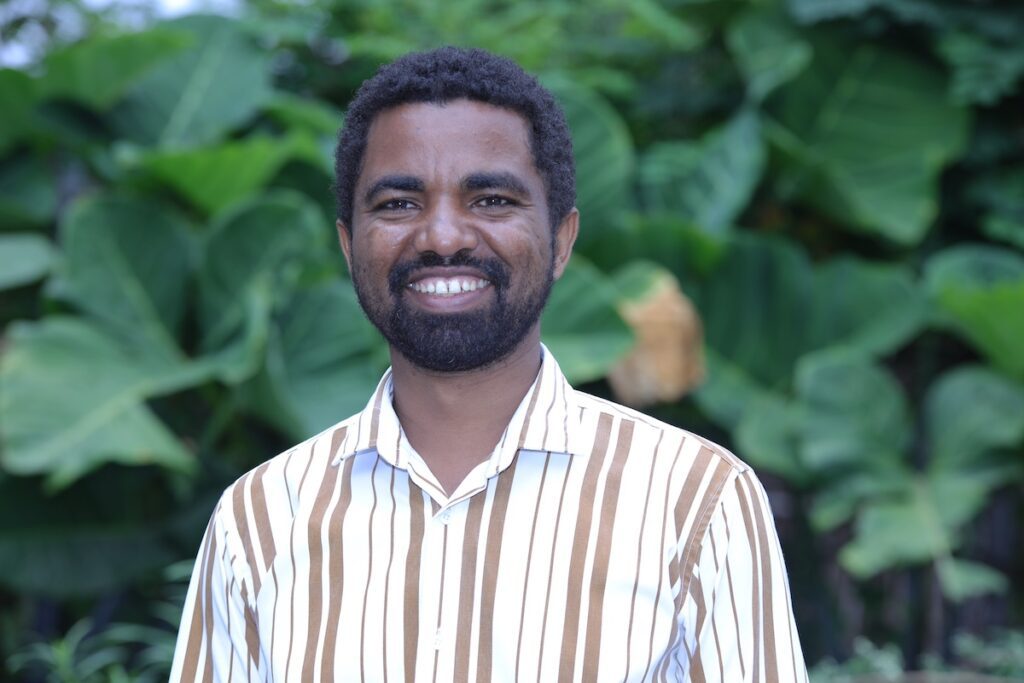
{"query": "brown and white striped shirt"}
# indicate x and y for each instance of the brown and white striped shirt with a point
(595, 544)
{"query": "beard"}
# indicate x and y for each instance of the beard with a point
(454, 342)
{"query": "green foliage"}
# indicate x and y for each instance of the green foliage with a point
(24, 258)
(864, 133)
(981, 291)
(199, 94)
(836, 184)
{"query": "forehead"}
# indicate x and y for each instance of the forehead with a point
(425, 137)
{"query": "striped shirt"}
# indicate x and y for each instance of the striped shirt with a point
(594, 544)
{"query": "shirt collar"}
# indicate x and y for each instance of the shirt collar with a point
(547, 419)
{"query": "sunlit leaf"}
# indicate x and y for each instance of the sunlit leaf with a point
(865, 133)
(962, 579)
(24, 258)
(981, 290)
(300, 113)
(199, 95)
(891, 533)
(853, 410)
(73, 398)
(971, 410)
(97, 71)
(214, 177)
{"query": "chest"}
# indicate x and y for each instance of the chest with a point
(553, 572)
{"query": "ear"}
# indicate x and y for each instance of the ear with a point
(345, 240)
(565, 238)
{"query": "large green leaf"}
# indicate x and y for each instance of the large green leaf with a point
(764, 306)
(213, 178)
(97, 71)
(581, 325)
(983, 72)
(24, 258)
(768, 437)
(199, 95)
(897, 532)
(17, 92)
(324, 360)
(73, 398)
(254, 253)
(865, 133)
(853, 411)
(972, 410)
(300, 113)
(768, 50)
(962, 579)
(710, 182)
(28, 196)
(922, 523)
(874, 307)
(755, 307)
(981, 291)
(604, 154)
(847, 414)
(127, 263)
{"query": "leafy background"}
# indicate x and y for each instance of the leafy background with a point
(837, 185)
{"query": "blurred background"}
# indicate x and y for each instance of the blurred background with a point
(802, 236)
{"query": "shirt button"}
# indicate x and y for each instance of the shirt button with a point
(445, 516)
(437, 640)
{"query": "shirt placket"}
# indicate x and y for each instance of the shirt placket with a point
(439, 592)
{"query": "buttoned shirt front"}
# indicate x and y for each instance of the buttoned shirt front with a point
(594, 544)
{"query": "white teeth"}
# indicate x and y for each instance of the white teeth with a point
(448, 287)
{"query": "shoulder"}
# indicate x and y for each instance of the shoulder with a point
(262, 503)
(660, 438)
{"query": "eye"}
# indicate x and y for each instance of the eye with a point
(395, 205)
(494, 201)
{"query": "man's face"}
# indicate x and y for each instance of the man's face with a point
(452, 253)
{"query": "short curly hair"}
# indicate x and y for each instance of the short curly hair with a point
(451, 73)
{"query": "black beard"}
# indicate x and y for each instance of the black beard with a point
(456, 342)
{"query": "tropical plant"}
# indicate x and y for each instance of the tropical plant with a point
(835, 185)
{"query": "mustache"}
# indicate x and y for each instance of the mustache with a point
(493, 269)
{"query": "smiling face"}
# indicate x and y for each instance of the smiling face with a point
(451, 250)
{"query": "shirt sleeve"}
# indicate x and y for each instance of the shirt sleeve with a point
(738, 621)
(217, 639)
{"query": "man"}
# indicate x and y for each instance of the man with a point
(480, 519)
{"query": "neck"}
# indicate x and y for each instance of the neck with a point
(454, 419)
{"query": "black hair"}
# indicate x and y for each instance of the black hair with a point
(451, 73)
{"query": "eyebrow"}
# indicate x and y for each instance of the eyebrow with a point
(495, 181)
(402, 183)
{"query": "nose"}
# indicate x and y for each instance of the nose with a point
(446, 229)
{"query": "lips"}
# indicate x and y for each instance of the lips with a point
(460, 273)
